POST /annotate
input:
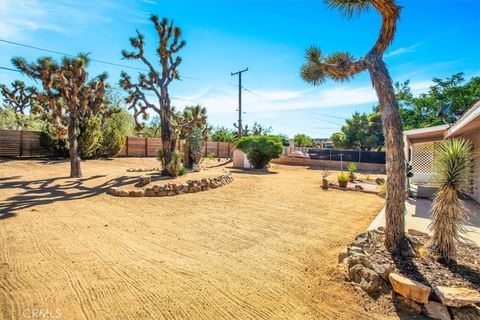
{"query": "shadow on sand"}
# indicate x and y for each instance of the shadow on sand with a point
(45, 191)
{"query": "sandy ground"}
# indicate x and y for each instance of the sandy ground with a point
(262, 247)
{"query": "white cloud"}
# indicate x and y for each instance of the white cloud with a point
(21, 18)
(402, 50)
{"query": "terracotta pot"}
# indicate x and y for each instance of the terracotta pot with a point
(351, 177)
(342, 184)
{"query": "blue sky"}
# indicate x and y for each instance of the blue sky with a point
(434, 39)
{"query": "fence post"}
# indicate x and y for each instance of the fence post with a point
(218, 149)
(126, 148)
(146, 146)
(359, 155)
(206, 147)
(330, 154)
(21, 143)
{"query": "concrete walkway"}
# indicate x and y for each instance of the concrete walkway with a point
(418, 217)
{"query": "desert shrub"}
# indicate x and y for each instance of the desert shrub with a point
(260, 149)
(57, 146)
(90, 137)
(453, 164)
(382, 190)
(195, 144)
(114, 131)
(173, 168)
(182, 171)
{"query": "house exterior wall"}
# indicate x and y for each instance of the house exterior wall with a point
(474, 136)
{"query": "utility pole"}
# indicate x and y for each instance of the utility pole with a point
(240, 128)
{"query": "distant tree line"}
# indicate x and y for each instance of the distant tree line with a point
(444, 102)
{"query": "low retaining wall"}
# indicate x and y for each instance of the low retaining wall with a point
(329, 164)
(172, 189)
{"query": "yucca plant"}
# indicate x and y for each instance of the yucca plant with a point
(453, 163)
(352, 168)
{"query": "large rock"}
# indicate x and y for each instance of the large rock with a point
(409, 289)
(342, 255)
(368, 279)
(466, 313)
(457, 297)
(383, 270)
(437, 310)
(136, 193)
(359, 259)
(112, 191)
(354, 249)
(144, 180)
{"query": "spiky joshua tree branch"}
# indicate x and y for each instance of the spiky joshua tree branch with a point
(342, 66)
(156, 82)
(20, 98)
(67, 96)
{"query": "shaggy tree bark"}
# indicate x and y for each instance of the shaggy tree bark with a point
(342, 66)
(395, 158)
(75, 166)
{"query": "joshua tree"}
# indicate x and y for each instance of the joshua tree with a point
(67, 96)
(20, 98)
(341, 66)
(157, 82)
(452, 168)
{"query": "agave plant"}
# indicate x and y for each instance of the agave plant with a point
(453, 165)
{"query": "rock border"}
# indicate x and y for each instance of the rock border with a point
(173, 189)
(155, 169)
(453, 302)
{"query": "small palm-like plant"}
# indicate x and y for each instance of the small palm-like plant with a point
(452, 168)
(352, 168)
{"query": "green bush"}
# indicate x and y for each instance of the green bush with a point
(90, 137)
(58, 147)
(182, 171)
(195, 144)
(116, 128)
(260, 149)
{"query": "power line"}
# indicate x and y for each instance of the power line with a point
(9, 69)
(71, 55)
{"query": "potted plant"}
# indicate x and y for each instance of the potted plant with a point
(352, 168)
(342, 180)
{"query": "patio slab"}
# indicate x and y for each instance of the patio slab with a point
(418, 217)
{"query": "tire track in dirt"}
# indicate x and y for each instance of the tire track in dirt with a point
(75, 283)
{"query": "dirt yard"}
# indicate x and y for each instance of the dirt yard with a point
(262, 247)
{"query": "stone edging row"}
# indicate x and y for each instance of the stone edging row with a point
(454, 302)
(172, 189)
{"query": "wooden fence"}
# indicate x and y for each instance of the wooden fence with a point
(147, 147)
(21, 144)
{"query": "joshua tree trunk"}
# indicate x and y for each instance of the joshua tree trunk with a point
(395, 164)
(75, 169)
